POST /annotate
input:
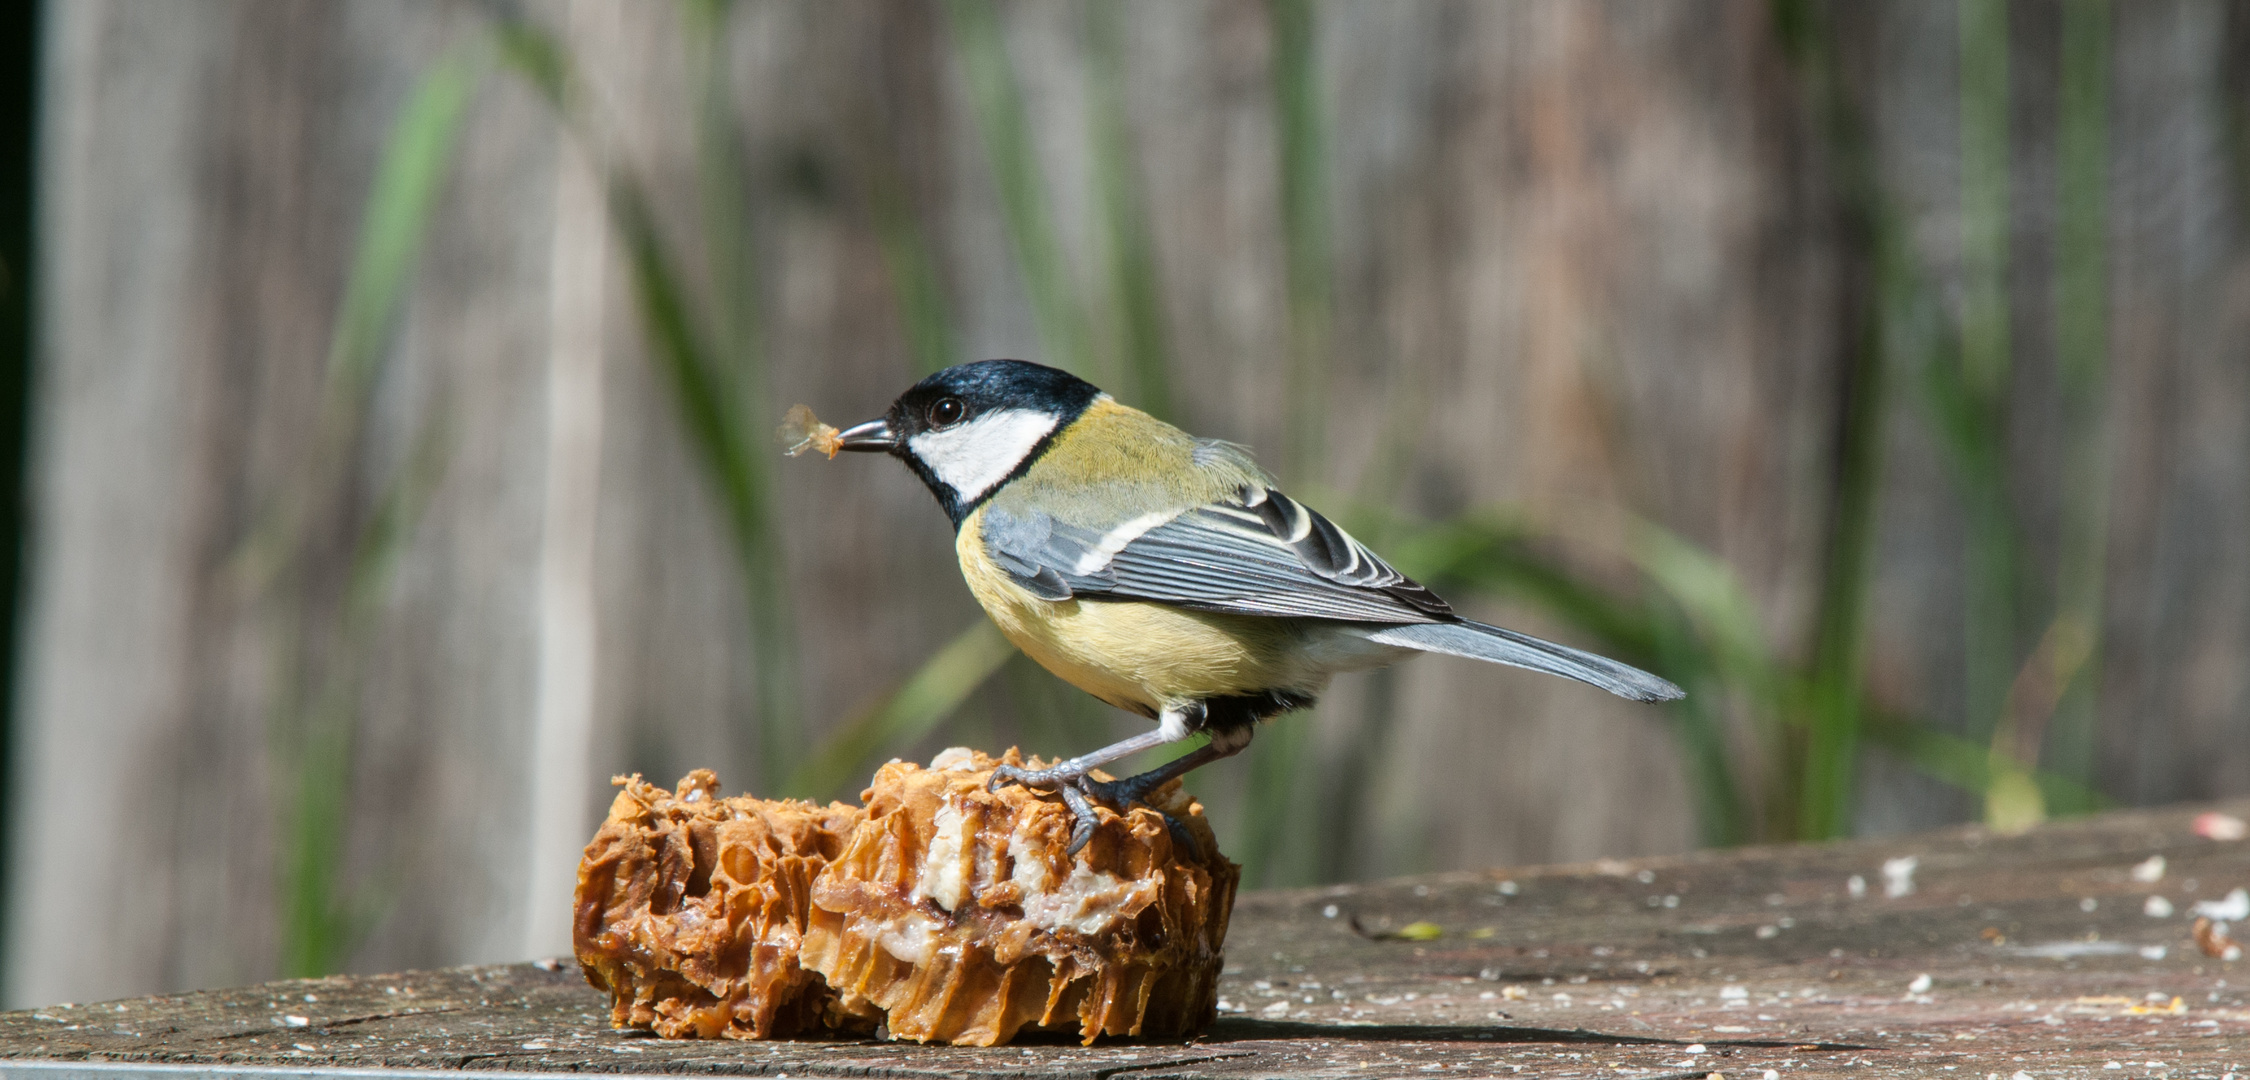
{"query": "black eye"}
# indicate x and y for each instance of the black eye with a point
(946, 412)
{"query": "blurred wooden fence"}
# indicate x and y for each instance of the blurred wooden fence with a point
(1582, 257)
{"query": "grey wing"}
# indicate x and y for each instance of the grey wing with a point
(1034, 550)
(1264, 555)
(1333, 554)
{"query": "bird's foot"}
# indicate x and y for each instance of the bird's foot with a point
(1080, 791)
(1122, 794)
(1064, 780)
(1043, 779)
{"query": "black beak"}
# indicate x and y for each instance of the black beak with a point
(873, 437)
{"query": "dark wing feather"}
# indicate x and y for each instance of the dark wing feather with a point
(1333, 554)
(1265, 555)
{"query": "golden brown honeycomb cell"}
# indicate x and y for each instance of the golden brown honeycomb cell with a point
(941, 912)
(690, 909)
(955, 913)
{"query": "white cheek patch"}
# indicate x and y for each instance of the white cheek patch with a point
(972, 457)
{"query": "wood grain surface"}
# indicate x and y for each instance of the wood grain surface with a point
(2028, 954)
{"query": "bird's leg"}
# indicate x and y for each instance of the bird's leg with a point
(1082, 812)
(1066, 772)
(1070, 780)
(1135, 788)
(1124, 793)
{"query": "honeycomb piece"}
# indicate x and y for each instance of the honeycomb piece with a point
(954, 914)
(690, 910)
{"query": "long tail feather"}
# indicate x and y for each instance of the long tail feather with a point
(1478, 641)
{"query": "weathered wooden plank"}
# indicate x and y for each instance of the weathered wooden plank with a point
(2032, 953)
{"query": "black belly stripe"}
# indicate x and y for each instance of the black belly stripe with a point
(1234, 711)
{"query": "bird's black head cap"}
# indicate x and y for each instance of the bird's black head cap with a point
(971, 428)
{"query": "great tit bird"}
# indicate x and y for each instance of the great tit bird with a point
(1164, 574)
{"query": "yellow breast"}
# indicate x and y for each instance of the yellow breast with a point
(1140, 657)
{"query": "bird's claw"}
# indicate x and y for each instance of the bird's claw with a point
(1031, 778)
(1123, 794)
(1182, 839)
(1072, 785)
(1118, 793)
(1080, 792)
(1081, 808)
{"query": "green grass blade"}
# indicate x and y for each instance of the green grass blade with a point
(393, 222)
(718, 431)
(540, 60)
(998, 104)
(1823, 773)
(2082, 350)
(1713, 646)
(316, 733)
(922, 309)
(1302, 144)
(1964, 763)
(1484, 552)
(1824, 776)
(397, 217)
(685, 357)
(314, 939)
(1984, 197)
(1488, 553)
(1135, 298)
(1728, 650)
(1714, 600)
(934, 692)
(322, 917)
(1301, 174)
(737, 382)
(1722, 818)
(1989, 593)
(716, 376)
